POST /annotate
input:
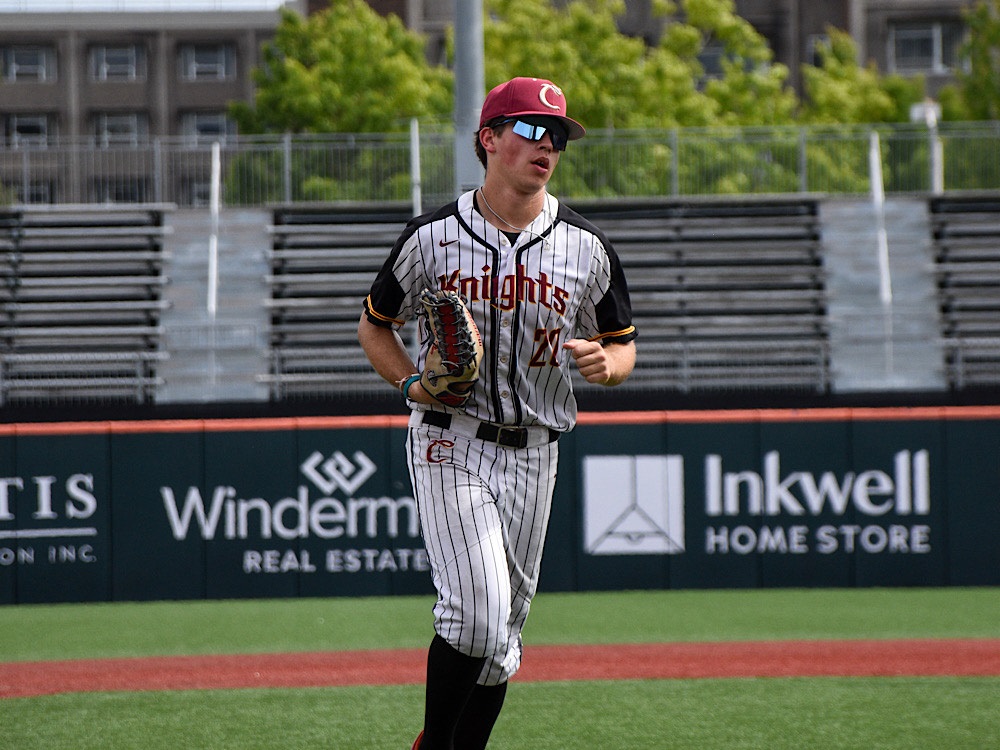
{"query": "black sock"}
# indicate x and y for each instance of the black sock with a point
(451, 678)
(480, 715)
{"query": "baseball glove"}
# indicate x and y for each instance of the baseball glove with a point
(452, 365)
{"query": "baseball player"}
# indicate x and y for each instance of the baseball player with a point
(547, 292)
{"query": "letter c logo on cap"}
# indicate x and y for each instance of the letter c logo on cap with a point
(543, 95)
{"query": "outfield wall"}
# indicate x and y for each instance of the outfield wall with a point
(193, 509)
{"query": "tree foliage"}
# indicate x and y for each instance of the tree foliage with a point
(753, 89)
(345, 69)
(611, 80)
(616, 81)
(840, 90)
(980, 81)
(711, 74)
(348, 69)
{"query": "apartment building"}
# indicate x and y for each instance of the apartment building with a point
(101, 74)
(98, 74)
(906, 37)
(901, 36)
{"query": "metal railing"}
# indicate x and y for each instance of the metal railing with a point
(264, 170)
(124, 6)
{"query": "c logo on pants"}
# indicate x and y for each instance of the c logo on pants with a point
(435, 457)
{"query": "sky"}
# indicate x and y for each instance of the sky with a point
(62, 6)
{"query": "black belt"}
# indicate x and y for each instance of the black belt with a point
(509, 437)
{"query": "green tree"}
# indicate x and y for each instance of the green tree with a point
(612, 80)
(839, 90)
(753, 89)
(343, 70)
(349, 70)
(980, 81)
(953, 106)
(616, 81)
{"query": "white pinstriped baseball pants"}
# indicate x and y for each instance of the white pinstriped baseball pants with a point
(484, 510)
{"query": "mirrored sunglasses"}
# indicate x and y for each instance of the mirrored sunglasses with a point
(535, 132)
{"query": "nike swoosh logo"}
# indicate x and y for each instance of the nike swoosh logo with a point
(444, 243)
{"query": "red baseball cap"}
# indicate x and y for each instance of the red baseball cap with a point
(529, 97)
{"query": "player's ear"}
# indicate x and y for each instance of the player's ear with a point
(487, 139)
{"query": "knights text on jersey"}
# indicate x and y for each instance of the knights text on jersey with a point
(560, 280)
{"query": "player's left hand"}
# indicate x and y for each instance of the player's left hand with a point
(591, 360)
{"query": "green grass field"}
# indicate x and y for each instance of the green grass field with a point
(770, 714)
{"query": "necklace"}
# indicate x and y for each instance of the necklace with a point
(482, 194)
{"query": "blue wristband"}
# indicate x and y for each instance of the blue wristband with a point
(405, 387)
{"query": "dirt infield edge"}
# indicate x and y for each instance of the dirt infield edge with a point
(860, 658)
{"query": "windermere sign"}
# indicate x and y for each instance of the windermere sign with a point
(323, 507)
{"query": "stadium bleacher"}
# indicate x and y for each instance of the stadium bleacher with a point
(966, 234)
(726, 294)
(80, 303)
(729, 295)
(322, 261)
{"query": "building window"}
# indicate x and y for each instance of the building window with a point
(710, 58)
(713, 59)
(29, 62)
(206, 127)
(196, 193)
(124, 62)
(207, 62)
(120, 129)
(924, 47)
(33, 191)
(813, 44)
(119, 190)
(28, 131)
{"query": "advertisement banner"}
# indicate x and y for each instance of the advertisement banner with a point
(972, 501)
(279, 513)
(55, 527)
(323, 506)
(804, 501)
(149, 561)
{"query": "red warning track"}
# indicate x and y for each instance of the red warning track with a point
(381, 421)
(917, 658)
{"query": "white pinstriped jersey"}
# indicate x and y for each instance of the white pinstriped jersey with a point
(559, 280)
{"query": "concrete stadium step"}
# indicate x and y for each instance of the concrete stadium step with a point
(216, 358)
(875, 346)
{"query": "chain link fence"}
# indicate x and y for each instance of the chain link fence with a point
(265, 170)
